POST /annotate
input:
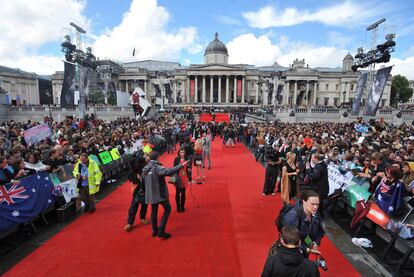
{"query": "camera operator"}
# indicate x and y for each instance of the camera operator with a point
(272, 170)
(304, 216)
(289, 261)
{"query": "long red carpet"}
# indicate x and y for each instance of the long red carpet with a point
(220, 117)
(229, 234)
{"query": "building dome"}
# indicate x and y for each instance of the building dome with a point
(216, 46)
(348, 57)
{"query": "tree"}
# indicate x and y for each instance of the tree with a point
(400, 90)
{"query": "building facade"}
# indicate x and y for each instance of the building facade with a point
(216, 82)
(411, 101)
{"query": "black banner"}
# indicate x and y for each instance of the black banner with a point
(377, 89)
(279, 94)
(356, 104)
(169, 93)
(157, 91)
(67, 96)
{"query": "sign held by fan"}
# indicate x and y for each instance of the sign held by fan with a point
(139, 103)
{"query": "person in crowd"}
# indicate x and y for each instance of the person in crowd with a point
(156, 192)
(6, 172)
(33, 164)
(138, 193)
(206, 142)
(408, 176)
(183, 179)
(89, 179)
(260, 148)
(386, 194)
(20, 170)
(305, 217)
(272, 170)
(198, 160)
(231, 137)
(290, 184)
(289, 260)
(317, 171)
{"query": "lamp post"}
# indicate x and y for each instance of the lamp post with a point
(49, 95)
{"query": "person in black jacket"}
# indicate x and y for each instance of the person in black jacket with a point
(289, 261)
(138, 195)
(317, 172)
(183, 179)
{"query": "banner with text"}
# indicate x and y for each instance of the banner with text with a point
(37, 134)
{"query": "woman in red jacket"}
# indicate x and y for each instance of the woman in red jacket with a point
(183, 177)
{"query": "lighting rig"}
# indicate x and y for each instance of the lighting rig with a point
(379, 53)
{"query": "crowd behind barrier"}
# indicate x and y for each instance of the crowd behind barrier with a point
(370, 170)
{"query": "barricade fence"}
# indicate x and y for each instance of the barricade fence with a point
(36, 194)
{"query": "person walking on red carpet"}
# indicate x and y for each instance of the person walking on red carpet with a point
(156, 192)
(182, 180)
(198, 160)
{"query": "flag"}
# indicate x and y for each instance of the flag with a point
(21, 202)
(389, 197)
(133, 52)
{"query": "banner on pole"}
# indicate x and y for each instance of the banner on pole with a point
(239, 88)
(376, 91)
(192, 88)
(362, 81)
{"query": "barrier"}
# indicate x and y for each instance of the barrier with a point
(41, 190)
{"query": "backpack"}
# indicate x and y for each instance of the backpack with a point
(283, 211)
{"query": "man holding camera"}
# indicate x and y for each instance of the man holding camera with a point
(272, 170)
(289, 260)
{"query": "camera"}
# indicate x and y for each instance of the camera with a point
(320, 262)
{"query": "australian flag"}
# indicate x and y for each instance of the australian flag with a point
(22, 202)
(389, 197)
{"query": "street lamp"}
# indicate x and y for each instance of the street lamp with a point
(49, 95)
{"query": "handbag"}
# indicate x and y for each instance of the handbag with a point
(172, 179)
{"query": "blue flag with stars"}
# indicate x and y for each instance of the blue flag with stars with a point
(21, 202)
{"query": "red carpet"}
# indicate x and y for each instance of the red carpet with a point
(220, 117)
(228, 235)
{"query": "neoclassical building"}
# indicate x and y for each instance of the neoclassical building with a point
(216, 82)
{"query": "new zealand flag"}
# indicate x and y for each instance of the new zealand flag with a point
(21, 202)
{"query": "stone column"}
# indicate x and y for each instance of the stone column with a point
(287, 94)
(295, 94)
(211, 88)
(243, 89)
(188, 93)
(227, 89)
(219, 89)
(126, 86)
(256, 100)
(235, 90)
(204, 90)
(348, 87)
(175, 92)
(307, 94)
(147, 96)
(314, 93)
(196, 89)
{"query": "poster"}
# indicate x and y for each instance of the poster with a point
(376, 91)
(115, 154)
(37, 134)
(105, 157)
(362, 81)
(239, 88)
(336, 179)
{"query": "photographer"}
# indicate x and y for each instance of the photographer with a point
(272, 170)
(289, 261)
(304, 216)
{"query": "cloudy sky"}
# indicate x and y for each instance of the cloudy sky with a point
(255, 32)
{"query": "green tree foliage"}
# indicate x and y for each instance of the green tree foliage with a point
(400, 90)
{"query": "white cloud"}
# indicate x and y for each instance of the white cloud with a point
(144, 26)
(248, 48)
(338, 39)
(403, 67)
(344, 14)
(27, 25)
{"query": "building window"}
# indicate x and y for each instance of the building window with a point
(336, 101)
(326, 101)
(337, 87)
(317, 101)
(383, 102)
(352, 87)
(326, 86)
(317, 86)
